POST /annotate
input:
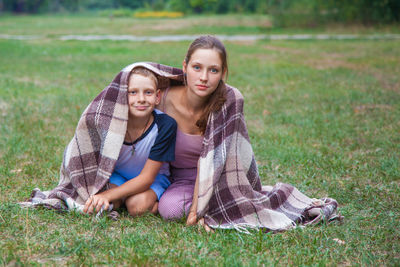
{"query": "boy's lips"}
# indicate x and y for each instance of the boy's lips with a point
(141, 107)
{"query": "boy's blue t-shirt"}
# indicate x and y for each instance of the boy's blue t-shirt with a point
(157, 143)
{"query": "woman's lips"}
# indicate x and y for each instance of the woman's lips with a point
(202, 87)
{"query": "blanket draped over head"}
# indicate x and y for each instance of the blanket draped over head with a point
(230, 190)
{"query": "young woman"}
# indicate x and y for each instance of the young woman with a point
(214, 175)
(205, 67)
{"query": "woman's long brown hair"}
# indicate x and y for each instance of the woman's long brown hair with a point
(218, 97)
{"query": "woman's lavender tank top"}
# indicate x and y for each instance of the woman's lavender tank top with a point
(187, 153)
(187, 150)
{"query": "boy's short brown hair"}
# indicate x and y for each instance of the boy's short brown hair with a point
(145, 73)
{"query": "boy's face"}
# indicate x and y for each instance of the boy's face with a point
(143, 96)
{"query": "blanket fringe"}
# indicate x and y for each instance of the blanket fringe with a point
(324, 209)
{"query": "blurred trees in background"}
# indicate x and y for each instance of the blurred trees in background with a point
(186, 6)
(314, 12)
(285, 12)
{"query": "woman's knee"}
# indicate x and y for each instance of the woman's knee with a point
(173, 206)
(141, 203)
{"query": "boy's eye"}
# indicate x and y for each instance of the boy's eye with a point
(149, 92)
(132, 92)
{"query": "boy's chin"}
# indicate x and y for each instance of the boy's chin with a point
(140, 114)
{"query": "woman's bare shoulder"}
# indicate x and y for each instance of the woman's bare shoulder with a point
(173, 93)
(168, 96)
(176, 89)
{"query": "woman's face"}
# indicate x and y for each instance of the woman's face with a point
(203, 72)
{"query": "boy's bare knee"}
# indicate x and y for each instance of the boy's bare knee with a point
(154, 209)
(141, 203)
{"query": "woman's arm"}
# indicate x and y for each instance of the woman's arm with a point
(192, 216)
(139, 184)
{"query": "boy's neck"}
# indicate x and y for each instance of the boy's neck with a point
(139, 123)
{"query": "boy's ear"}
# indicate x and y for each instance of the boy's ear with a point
(158, 96)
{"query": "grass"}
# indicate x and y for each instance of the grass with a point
(322, 115)
(52, 26)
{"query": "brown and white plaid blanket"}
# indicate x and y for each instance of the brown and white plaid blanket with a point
(230, 191)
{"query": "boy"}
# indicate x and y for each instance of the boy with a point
(141, 173)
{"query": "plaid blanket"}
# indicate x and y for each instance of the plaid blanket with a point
(230, 191)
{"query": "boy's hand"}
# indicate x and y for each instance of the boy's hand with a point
(95, 203)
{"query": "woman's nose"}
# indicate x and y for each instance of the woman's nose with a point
(204, 76)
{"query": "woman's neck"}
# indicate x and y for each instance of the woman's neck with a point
(192, 103)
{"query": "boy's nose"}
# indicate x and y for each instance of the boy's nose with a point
(141, 97)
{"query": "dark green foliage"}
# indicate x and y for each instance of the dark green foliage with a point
(179, 5)
(40, 6)
(219, 6)
(24, 6)
(129, 3)
(191, 6)
(285, 12)
(315, 12)
(99, 4)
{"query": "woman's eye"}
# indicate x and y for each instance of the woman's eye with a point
(196, 67)
(213, 70)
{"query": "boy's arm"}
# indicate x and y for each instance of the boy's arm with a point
(139, 184)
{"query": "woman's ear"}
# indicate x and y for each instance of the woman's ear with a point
(223, 75)
(184, 66)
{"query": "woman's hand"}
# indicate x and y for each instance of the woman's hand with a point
(94, 203)
(205, 226)
(192, 217)
(192, 220)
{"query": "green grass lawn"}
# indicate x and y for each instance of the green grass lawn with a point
(322, 115)
(55, 25)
